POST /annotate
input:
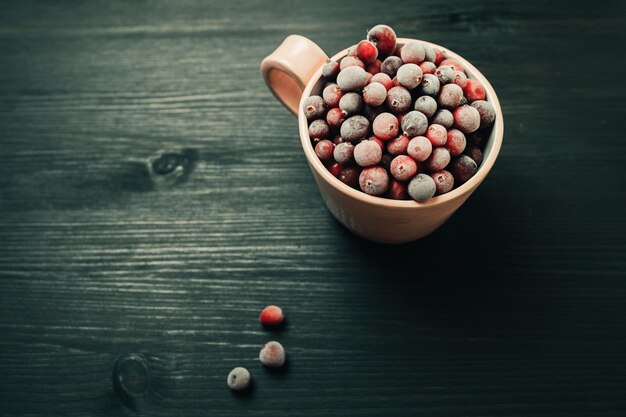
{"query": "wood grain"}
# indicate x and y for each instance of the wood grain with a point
(515, 307)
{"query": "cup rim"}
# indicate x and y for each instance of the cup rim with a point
(497, 135)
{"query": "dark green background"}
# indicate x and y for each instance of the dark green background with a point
(515, 307)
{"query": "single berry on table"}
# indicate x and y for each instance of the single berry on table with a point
(238, 379)
(272, 354)
(271, 316)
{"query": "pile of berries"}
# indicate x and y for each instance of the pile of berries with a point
(399, 121)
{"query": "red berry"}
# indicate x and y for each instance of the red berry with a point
(350, 176)
(271, 316)
(318, 129)
(460, 79)
(335, 169)
(398, 100)
(374, 67)
(366, 51)
(456, 142)
(439, 57)
(351, 61)
(374, 94)
(474, 91)
(463, 168)
(385, 126)
(398, 145)
(343, 152)
(330, 70)
(475, 153)
(444, 181)
(384, 38)
(397, 190)
(403, 167)
(331, 95)
(450, 96)
(413, 52)
(419, 148)
(335, 117)
(324, 150)
(466, 119)
(454, 63)
(438, 160)
(486, 111)
(428, 67)
(374, 180)
(379, 142)
(367, 153)
(437, 134)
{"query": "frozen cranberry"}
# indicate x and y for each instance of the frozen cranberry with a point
(398, 145)
(331, 95)
(374, 94)
(371, 112)
(466, 119)
(450, 96)
(403, 167)
(366, 51)
(444, 181)
(430, 85)
(374, 180)
(385, 126)
(350, 176)
(474, 91)
(384, 38)
(383, 79)
(437, 134)
(313, 107)
(238, 379)
(453, 63)
(350, 104)
(414, 123)
(426, 105)
(324, 150)
(422, 188)
(335, 169)
(445, 74)
(355, 128)
(486, 111)
(428, 67)
(271, 316)
(419, 148)
(352, 79)
(367, 153)
(475, 153)
(390, 65)
(343, 152)
(460, 79)
(385, 161)
(463, 168)
(272, 354)
(374, 67)
(456, 142)
(397, 190)
(398, 100)
(438, 160)
(330, 70)
(439, 57)
(413, 53)
(409, 76)
(478, 138)
(338, 139)
(430, 54)
(444, 118)
(318, 129)
(351, 61)
(335, 117)
(379, 142)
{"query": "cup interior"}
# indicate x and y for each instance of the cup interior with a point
(490, 151)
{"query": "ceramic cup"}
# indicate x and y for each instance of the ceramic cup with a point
(293, 72)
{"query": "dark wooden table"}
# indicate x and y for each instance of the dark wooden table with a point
(515, 307)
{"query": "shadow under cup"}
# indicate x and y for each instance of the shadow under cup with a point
(381, 219)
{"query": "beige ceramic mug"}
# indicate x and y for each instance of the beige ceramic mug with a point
(294, 72)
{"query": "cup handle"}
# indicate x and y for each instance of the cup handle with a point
(289, 68)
